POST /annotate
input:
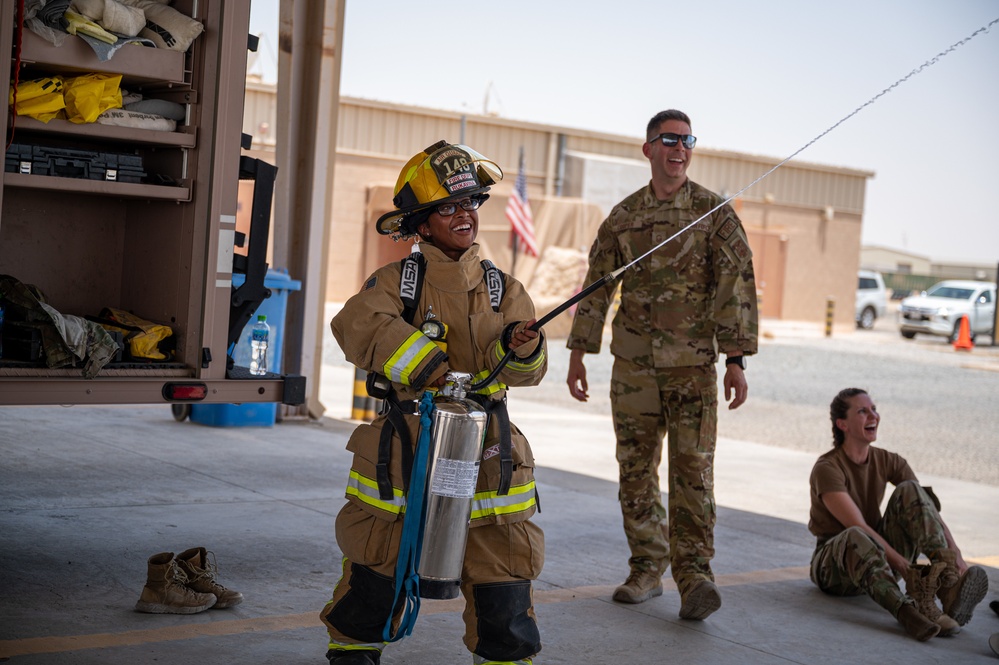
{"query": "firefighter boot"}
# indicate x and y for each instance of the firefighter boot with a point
(354, 656)
(165, 592)
(959, 594)
(700, 601)
(201, 577)
(922, 584)
(915, 624)
(640, 586)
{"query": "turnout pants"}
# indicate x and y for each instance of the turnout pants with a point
(681, 404)
(851, 562)
(500, 562)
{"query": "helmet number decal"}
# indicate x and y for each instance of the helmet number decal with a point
(454, 170)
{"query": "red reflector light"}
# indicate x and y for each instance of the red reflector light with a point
(185, 392)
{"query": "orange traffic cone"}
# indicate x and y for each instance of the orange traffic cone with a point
(963, 341)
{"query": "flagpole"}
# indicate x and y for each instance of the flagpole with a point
(514, 240)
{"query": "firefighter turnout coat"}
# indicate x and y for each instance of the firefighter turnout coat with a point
(375, 336)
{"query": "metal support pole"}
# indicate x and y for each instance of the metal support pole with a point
(311, 41)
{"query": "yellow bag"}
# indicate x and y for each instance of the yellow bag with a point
(39, 98)
(90, 95)
(148, 340)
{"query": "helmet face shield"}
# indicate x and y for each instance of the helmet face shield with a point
(441, 172)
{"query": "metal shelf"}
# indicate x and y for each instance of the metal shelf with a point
(103, 187)
(186, 137)
(134, 62)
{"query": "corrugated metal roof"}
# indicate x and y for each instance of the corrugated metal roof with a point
(395, 131)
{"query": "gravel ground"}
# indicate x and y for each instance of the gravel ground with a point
(939, 407)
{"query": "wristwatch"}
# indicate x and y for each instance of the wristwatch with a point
(736, 360)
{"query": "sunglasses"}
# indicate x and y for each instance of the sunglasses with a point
(451, 207)
(670, 139)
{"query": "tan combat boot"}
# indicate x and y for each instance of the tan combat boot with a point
(700, 601)
(201, 577)
(922, 584)
(959, 594)
(916, 624)
(165, 592)
(640, 586)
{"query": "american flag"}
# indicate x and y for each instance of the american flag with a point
(518, 211)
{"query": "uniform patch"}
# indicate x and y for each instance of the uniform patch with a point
(740, 248)
(491, 451)
(370, 284)
(727, 229)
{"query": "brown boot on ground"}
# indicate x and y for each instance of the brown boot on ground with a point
(959, 594)
(915, 624)
(201, 577)
(165, 592)
(922, 584)
(640, 586)
(700, 601)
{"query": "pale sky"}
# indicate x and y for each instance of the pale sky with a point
(761, 77)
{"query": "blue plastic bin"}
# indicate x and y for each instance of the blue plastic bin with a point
(260, 414)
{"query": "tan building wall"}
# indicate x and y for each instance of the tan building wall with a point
(811, 256)
(807, 247)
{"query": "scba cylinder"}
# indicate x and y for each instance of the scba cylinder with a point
(458, 430)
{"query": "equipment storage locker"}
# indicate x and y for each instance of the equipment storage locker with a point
(162, 248)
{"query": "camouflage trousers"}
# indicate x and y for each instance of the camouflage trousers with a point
(851, 562)
(681, 404)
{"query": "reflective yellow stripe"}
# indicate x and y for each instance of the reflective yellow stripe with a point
(498, 350)
(366, 490)
(370, 646)
(489, 503)
(516, 365)
(492, 388)
(527, 367)
(408, 357)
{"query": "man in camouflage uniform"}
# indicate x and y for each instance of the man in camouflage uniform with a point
(860, 551)
(681, 306)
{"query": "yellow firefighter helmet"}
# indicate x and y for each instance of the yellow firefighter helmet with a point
(442, 172)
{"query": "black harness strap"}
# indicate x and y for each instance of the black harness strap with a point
(394, 412)
(411, 284)
(497, 409)
(495, 283)
(411, 273)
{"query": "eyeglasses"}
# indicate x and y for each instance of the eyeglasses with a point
(451, 207)
(670, 139)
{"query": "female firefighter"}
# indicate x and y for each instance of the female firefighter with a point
(440, 310)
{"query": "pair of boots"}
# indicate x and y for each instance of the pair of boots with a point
(184, 585)
(923, 584)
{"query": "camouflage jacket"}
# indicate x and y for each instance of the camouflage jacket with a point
(687, 301)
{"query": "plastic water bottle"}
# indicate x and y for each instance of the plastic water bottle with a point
(258, 346)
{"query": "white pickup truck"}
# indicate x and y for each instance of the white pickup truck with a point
(939, 310)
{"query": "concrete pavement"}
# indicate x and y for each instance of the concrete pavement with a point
(89, 493)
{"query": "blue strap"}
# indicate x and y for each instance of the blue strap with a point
(411, 543)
